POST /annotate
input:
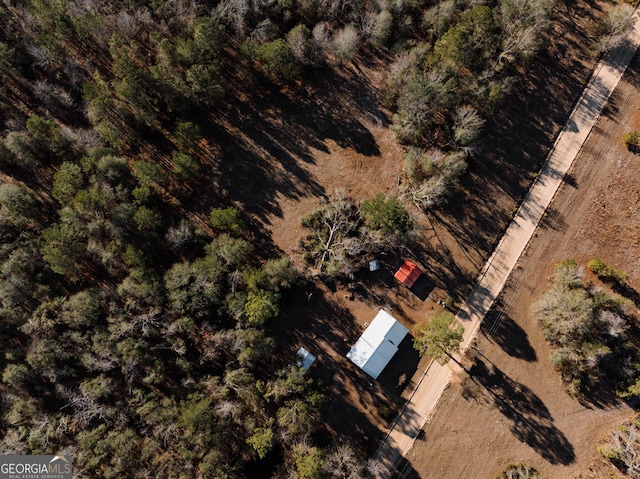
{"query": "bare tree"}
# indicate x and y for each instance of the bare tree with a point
(180, 235)
(623, 447)
(126, 24)
(233, 13)
(332, 225)
(14, 442)
(613, 322)
(265, 31)
(299, 40)
(438, 18)
(342, 462)
(40, 57)
(22, 148)
(336, 9)
(344, 44)
(524, 24)
(382, 28)
(83, 403)
(566, 314)
(402, 68)
(467, 125)
(52, 95)
(610, 31)
(430, 193)
(321, 34)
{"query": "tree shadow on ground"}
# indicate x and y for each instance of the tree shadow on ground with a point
(531, 421)
(404, 470)
(379, 289)
(600, 385)
(257, 149)
(601, 396)
(553, 219)
(266, 140)
(397, 374)
(475, 302)
(349, 415)
(310, 313)
(439, 263)
(422, 287)
(629, 292)
(500, 328)
(571, 180)
(475, 247)
(359, 408)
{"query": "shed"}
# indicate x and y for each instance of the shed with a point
(408, 273)
(304, 359)
(378, 344)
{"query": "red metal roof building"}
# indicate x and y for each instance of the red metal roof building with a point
(408, 273)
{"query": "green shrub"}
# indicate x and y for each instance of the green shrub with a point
(262, 440)
(608, 452)
(387, 216)
(186, 167)
(309, 463)
(632, 138)
(227, 220)
(147, 220)
(187, 135)
(519, 471)
(631, 391)
(261, 306)
(568, 263)
(273, 61)
(382, 29)
(47, 133)
(607, 274)
(596, 266)
(420, 165)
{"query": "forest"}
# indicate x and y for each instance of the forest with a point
(135, 320)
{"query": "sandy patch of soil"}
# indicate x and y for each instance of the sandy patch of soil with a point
(357, 175)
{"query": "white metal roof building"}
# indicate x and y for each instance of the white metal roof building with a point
(378, 344)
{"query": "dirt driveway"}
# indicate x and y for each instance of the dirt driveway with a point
(517, 410)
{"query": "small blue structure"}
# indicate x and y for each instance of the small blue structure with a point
(304, 359)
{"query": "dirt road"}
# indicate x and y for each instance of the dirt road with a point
(505, 257)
